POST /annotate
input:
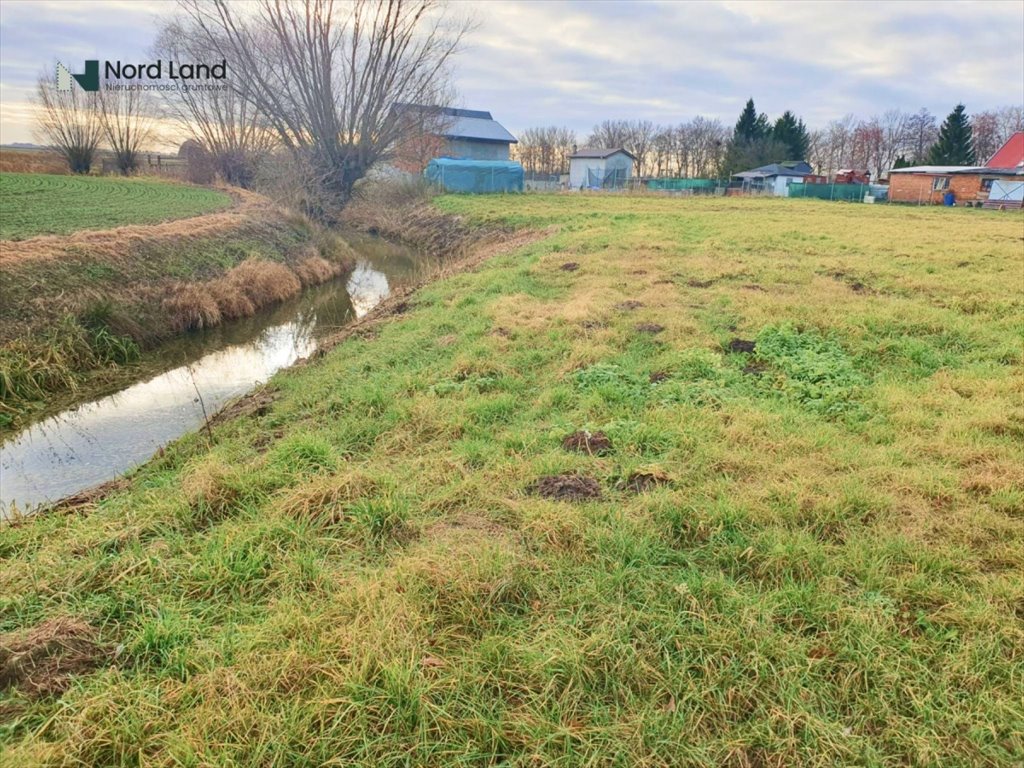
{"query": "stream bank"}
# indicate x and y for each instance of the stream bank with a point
(185, 381)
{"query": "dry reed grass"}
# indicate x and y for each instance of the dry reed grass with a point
(264, 282)
(231, 300)
(242, 291)
(32, 161)
(314, 270)
(191, 307)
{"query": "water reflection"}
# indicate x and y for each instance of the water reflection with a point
(102, 439)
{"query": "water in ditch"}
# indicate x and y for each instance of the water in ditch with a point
(185, 381)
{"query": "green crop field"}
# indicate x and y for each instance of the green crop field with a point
(707, 482)
(43, 204)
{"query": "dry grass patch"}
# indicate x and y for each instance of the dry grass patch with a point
(43, 660)
(193, 307)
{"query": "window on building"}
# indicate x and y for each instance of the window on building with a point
(940, 183)
(986, 185)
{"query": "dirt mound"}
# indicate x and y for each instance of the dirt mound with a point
(641, 482)
(627, 306)
(658, 376)
(41, 661)
(569, 266)
(592, 443)
(650, 328)
(568, 487)
(741, 345)
(256, 403)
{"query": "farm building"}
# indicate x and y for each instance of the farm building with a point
(997, 183)
(775, 178)
(459, 134)
(600, 168)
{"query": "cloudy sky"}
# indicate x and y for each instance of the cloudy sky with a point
(577, 63)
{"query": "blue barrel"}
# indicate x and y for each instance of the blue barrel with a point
(949, 199)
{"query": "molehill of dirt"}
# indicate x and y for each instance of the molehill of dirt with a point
(592, 443)
(641, 482)
(567, 487)
(744, 346)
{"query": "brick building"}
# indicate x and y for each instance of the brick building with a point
(925, 184)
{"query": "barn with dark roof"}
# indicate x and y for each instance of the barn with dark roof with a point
(460, 134)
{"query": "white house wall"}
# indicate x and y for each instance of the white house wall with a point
(578, 167)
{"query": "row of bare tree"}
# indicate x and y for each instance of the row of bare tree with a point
(697, 148)
(692, 148)
(894, 138)
(316, 79)
(78, 123)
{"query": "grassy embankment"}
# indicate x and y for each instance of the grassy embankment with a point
(805, 551)
(90, 300)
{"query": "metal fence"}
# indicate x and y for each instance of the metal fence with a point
(544, 182)
(854, 193)
(693, 186)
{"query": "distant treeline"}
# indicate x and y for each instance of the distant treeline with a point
(706, 148)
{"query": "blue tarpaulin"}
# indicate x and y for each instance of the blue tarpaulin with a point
(475, 176)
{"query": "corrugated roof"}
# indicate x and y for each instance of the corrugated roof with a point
(773, 169)
(983, 170)
(455, 112)
(600, 153)
(477, 129)
(932, 169)
(472, 124)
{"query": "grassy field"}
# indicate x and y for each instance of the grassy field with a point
(44, 204)
(791, 533)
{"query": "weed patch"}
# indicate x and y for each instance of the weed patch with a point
(814, 371)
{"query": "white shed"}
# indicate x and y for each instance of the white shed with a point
(600, 168)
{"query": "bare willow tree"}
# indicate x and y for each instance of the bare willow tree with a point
(69, 121)
(327, 75)
(126, 114)
(222, 119)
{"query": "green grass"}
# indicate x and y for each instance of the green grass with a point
(831, 573)
(43, 204)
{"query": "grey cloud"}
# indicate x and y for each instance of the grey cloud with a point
(577, 63)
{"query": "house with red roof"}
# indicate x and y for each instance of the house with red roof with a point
(997, 184)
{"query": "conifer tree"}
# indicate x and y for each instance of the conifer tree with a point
(955, 145)
(792, 133)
